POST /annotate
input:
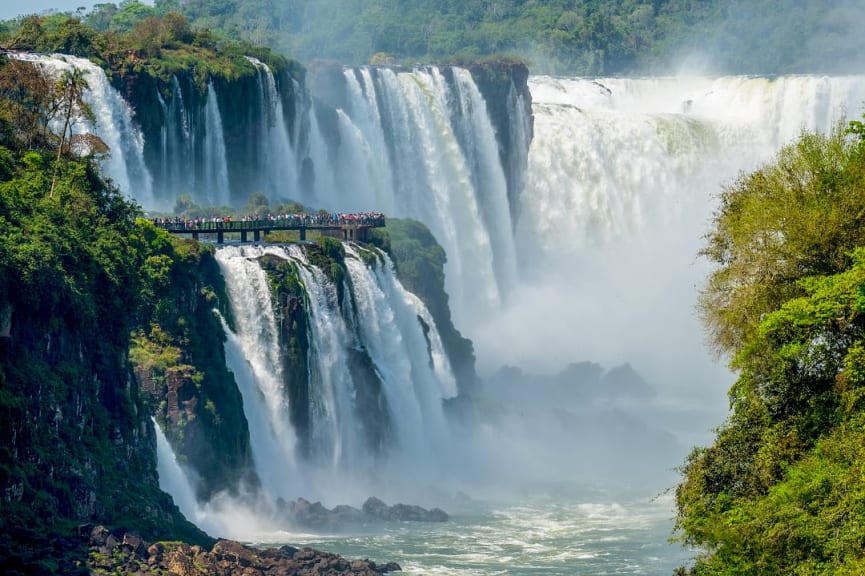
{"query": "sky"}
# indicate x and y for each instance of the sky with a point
(14, 8)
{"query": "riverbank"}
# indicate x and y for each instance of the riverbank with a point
(98, 550)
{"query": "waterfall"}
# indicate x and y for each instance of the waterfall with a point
(164, 165)
(334, 425)
(172, 478)
(478, 140)
(415, 381)
(609, 155)
(215, 167)
(418, 144)
(192, 148)
(178, 129)
(114, 124)
(278, 163)
(365, 136)
(377, 317)
(253, 355)
(621, 181)
(520, 121)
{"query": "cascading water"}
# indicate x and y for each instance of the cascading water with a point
(619, 189)
(377, 317)
(334, 425)
(172, 478)
(114, 124)
(192, 148)
(164, 165)
(178, 145)
(215, 166)
(253, 355)
(415, 144)
(415, 379)
(610, 154)
(279, 166)
(521, 122)
(475, 132)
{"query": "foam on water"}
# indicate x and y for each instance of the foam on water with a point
(534, 537)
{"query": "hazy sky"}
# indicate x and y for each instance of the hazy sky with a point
(12, 8)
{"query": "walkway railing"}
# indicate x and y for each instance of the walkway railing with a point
(348, 226)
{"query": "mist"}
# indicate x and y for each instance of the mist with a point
(622, 182)
(786, 37)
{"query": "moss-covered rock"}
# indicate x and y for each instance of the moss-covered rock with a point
(179, 360)
(290, 306)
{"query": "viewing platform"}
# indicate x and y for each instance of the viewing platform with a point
(352, 227)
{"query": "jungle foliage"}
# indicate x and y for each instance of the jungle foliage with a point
(135, 39)
(780, 490)
(555, 36)
(74, 264)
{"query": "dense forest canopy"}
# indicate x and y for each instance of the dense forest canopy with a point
(556, 36)
(135, 39)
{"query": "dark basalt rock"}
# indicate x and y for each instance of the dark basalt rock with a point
(375, 508)
(121, 552)
(315, 516)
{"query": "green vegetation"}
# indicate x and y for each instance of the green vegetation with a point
(178, 357)
(136, 43)
(555, 36)
(780, 491)
(74, 263)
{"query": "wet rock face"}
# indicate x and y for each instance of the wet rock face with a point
(126, 553)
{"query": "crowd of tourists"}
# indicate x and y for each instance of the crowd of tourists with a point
(272, 221)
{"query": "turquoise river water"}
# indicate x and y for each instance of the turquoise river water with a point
(538, 537)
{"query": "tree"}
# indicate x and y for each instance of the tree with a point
(797, 217)
(131, 12)
(100, 16)
(185, 206)
(69, 108)
(26, 98)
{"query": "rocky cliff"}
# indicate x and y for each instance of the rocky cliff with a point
(76, 438)
(179, 362)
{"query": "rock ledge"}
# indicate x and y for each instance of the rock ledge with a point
(118, 551)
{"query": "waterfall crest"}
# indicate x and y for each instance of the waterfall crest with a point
(420, 144)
